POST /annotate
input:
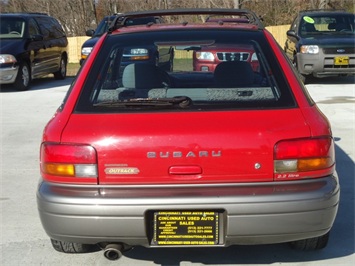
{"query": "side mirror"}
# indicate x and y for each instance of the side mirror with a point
(37, 37)
(90, 33)
(292, 33)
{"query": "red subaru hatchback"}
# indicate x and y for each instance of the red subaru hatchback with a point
(137, 155)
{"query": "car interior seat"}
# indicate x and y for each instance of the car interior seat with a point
(234, 74)
(342, 27)
(308, 27)
(332, 26)
(140, 78)
(4, 29)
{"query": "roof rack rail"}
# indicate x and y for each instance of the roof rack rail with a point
(121, 18)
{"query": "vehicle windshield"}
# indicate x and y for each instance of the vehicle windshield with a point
(103, 26)
(327, 24)
(12, 28)
(105, 23)
(185, 70)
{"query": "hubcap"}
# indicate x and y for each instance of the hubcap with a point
(63, 68)
(25, 76)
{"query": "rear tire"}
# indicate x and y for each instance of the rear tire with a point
(309, 244)
(295, 64)
(69, 247)
(62, 72)
(23, 79)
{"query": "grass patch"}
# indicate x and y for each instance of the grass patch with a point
(72, 69)
(183, 64)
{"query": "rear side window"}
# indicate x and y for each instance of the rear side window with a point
(185, 71)
(50, 28)
(33, 27)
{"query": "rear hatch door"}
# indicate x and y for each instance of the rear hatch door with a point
(193, 147)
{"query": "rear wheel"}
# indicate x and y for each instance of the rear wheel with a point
(295, 64)
(22, 81)
(62, 72)
(69, 247)
(314, 243)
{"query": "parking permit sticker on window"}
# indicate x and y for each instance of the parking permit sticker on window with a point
(308, 19)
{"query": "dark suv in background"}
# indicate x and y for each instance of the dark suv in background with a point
(103, 27)
(322, 43)
(32, 45)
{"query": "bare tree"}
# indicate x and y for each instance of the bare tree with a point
(78, 15)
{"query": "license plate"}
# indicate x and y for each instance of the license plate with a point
(341, 60)
(193, 228)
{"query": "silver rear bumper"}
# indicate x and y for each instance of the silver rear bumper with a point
(255, 213)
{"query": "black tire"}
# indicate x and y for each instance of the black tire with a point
(309, 244)
(62, 72)
(23, 79)
(69, 247)
(302, 77)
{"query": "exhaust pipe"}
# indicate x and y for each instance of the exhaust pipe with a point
(113, 251)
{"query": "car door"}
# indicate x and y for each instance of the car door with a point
(50, 57)
(36, 48)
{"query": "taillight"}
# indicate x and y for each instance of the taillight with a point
(68, 163)
(304, 158)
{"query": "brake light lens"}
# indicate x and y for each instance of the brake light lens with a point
(68, 163)
(304, 158)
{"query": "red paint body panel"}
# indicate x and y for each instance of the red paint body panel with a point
(226, 145)
(249, 145)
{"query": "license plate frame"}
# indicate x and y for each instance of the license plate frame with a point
(341, 60)
(186, 228)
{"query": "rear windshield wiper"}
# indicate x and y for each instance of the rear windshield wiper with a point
(180, 101)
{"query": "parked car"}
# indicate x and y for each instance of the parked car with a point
(184, 158)
(103, 27)
(32, 45)
(208, 57)
(322, 43)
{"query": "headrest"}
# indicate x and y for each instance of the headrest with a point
(332, 26)
(234, 74)
(310, 27)
(141, 76)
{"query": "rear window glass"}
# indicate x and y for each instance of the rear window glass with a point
(185, 71)
(50, 28)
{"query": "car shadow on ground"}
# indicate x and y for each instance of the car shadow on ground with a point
(341, 242)
(40, 84)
